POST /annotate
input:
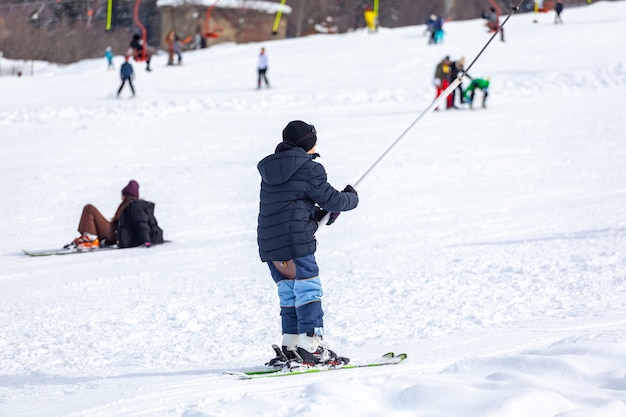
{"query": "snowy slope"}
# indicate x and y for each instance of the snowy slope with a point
(489, 245)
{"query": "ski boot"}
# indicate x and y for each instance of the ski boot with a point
(312, 351)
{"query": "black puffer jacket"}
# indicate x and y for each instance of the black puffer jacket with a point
(292, 184)
(137, 225)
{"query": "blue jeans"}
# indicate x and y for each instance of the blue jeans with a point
(300, 297)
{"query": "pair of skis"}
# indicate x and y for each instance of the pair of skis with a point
(389, 358)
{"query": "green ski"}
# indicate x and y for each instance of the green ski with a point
(389, 358)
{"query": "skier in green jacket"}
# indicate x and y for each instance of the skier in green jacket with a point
(477, 83)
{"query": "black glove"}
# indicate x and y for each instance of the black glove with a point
(349, 189)
(319, 214)
(332, 218)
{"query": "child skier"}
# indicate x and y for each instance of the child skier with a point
(137, 49)
(493, 22)
(477, 84)
(262, 67)
(558, 9)
(295, 196)
(126, 74)
(109, 56)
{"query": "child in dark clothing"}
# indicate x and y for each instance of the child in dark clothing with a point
(295, 196)
(127, 74)
(493, 22)
(558, 9)
(140, 50)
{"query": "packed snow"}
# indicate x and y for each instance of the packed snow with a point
(488, 245)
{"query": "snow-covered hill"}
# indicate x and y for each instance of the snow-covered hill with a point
(489, 245)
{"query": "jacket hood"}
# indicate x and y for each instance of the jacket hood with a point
(279, 167)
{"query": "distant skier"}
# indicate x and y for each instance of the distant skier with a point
(477, 84)
(295, 196)
(126, 74)
(371, 20)
(178, 50)
(456, 68)
(262, 67)
(139, 52)
(170, 38)
(558, 8)
(430, 28)
(439, 30)
(434, 26)
(109, 56)
(493, 22)
(441, 79)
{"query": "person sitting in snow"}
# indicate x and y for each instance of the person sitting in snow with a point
(477, 84)
(133, 225)
(295, 196)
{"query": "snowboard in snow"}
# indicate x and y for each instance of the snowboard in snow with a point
(65, 251)
(73, 250)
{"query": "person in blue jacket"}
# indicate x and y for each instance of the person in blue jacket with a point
(109, 56)
(127, 74)
(295, 196)
(434, 26)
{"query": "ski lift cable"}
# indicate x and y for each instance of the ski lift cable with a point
(441, 97)
(438, 100)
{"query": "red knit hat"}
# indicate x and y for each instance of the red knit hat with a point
(131, 189)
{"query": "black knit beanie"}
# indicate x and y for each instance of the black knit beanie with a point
(300, 134)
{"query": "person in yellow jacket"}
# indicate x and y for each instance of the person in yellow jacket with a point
(371, 19)
(441, 79)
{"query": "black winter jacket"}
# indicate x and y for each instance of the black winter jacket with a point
(137, 225)
(292, 184)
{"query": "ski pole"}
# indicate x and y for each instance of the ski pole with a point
(444, 95)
